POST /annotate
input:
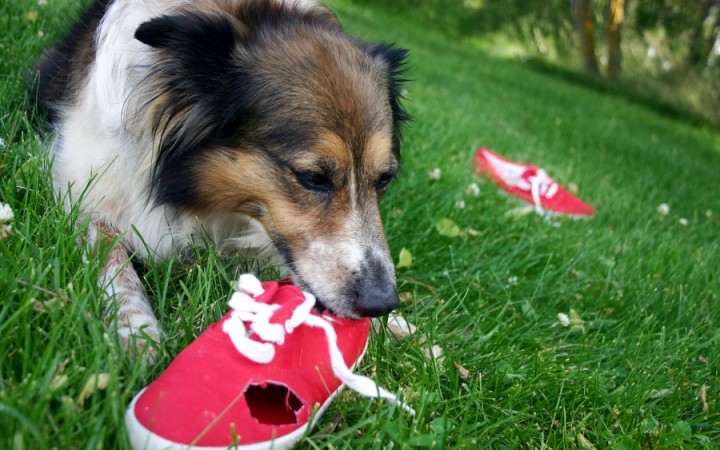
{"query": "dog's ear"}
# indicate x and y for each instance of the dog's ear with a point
(159, 32)
(188, 88)
(193, 39)
(393, 60)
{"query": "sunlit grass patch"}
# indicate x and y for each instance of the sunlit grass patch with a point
(634, 363)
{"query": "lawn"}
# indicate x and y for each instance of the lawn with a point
(639, 366)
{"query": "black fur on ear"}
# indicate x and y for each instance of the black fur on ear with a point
(198, 41)
(394, 60)
(198, 91)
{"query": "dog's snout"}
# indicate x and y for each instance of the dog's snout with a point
(376, 293)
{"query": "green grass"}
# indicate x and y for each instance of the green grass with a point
(645, 285)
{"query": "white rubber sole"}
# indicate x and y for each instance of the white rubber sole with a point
(142, 438)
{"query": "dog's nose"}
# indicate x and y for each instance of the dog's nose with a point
(376, 294)
(375, 301)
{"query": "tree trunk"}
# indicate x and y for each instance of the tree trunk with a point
(585, 29)
(698, 46)
(714, 35)
(616, 17)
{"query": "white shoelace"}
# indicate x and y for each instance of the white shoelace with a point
(246, 309)
(540, 185)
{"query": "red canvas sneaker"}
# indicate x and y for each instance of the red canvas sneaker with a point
(530, 184)
(257, 379)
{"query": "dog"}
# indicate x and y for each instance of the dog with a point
(258, 123)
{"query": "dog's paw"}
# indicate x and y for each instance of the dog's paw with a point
(143, 342)
(138, 329)
(136, 325)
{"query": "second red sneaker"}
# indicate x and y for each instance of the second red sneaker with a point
(257, 379)
(530, 184)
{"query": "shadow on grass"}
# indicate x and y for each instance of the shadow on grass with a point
(626, 90)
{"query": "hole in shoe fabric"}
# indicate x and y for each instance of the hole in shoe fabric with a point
(272, 404)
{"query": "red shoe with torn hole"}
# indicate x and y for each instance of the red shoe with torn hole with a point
(530, 184)
(257, 379)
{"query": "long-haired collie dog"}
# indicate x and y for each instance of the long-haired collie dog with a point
(259, 123)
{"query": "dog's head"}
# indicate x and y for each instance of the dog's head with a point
(269, 109)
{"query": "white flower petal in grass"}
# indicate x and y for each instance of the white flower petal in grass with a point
(473, 189)
(708, 214)
(563, 319)
(6, 215)
(460, 204)
(513, 280)
(683, 221)
(663, 209)
(435, 174)
(6, 212)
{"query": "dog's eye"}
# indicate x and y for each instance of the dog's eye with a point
(384, 180)
(314, 181)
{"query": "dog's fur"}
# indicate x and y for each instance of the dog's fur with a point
(260, 123)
